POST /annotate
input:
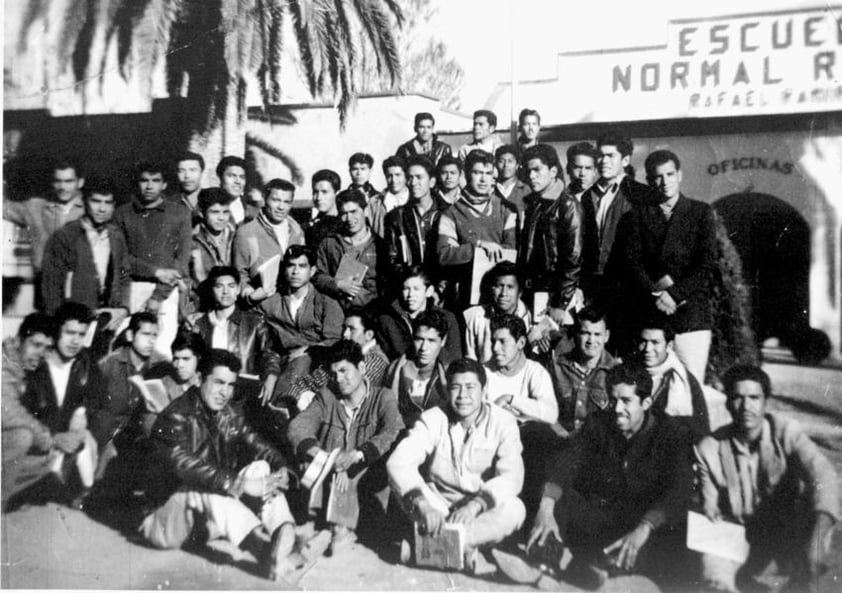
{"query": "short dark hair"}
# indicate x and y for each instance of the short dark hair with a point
(211, 196)
(545, 153)
(191, 156)
(630, 373)
(352, 195)
(190, 341)
(489, 115)
(446, 161)
(149, 166)
(366, 319)
(217, 357)
(581, 149)
(658, 158)
(419, 117)
(658, 322)
(277, 183)
(416, 271)
(332, 177)
(746, 372)
(513, 323)
(503, 268)
(421, 160)
(433, 319)
(506, 149)
(218, 272)
(71, 311)
(590, 314)
(394, 161)
(102, 186)
(230, 161)
(37, 323)
(296, 251)
(466, 365)
(478, 156)
(141, 317)
(363, 158)
(345, 350)
(526, 112)
(66, 162)
(615, 138)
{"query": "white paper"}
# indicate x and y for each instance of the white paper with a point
(481, 265)
(721, 538)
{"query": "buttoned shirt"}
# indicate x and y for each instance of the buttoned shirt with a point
(580, 390)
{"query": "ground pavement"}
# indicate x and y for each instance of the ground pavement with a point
(53, 547)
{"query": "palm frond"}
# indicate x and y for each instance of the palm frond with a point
(255, 140)
(305, 50)
(75, 19)
(276, 51)
(35, 10)
(84, 41)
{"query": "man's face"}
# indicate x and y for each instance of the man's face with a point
(414, 294)
(226, 289)
(66, 184)
(747, 405)
(99, 208)
(71, 338)
(530, 127)
(360, 173)
(482, 129)
(233, 181)
(465, 395)
(590, 339)
(395, 179)
(424, 130)
(582, 172)
(352, 329)
(540, 175)
(353, 217)
(505, 349)
(420, 183)
(218, 388)
(505, 293)
(185, 363)
(189, 175)
(506, 166)
(449, 177)
(666, 179)
(278, 204)
(152, 186)
(481, 179)
(143, 339)
(629, 411)
(33, 349)
(428, 344)
(346, 377)
(217, 216)
(652, 347)
(298, 272)
(611, 162)
(324, 196)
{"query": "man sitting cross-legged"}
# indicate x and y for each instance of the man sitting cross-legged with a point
(360, 419)
(212, 465)
(464, 457)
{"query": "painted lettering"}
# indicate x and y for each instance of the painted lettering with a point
(810, 29)
(710, 70)
(776, 42)
(767, 77)
(823, 62)
(684, 41)
(716, 38)
(744, 37)
(621, 78)
(742, 74)
(650, 77)
(678, 73)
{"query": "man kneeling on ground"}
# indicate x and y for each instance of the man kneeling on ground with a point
(202, 441)
(465, 457)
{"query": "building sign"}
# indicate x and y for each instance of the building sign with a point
(782, 62)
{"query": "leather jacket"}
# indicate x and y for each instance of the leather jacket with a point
(198, 449)
(551, 246)
(248, 339)
(438, 150)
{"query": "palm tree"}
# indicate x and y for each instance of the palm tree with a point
(213, 48)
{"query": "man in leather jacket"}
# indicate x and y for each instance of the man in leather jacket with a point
(551, 240)
(425, 141)
(213, 462)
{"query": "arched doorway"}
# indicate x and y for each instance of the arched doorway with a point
(773, 241)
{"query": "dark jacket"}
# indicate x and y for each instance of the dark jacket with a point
(68, 251)
(374, 255)
(202, 450)
(409, 247)
(438, 150)
(435, 394)
(579, 395)
(683, 248)
(646, 477)
(321, 227)
(395, 333)
(551, 247)
(248, 339)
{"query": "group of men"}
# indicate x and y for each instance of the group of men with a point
(560, 401)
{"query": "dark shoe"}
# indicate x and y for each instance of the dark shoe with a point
(585, 575)
(276, 562)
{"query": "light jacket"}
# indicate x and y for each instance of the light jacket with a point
(256, 242)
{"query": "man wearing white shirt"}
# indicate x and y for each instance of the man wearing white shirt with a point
(485, 126)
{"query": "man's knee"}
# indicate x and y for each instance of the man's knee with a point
(169, 526)
(17, 442)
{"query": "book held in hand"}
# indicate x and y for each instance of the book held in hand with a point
(351, 269)
(445, 550)
(154, 393)
(269, 271)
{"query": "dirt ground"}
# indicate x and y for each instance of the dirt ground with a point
(49, 546)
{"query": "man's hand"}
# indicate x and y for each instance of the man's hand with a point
(492, 250)
(348, 458)
(116, 314)
(545, 524)
(268, 389)
(313, 451)
(261, 294)
(466, 513)
(350, 289)
(818, 546)
(277, 482)
(430, 519)
(712, 513)
(153, 306)
(167, 276)
(69, 442)
(341, 481)
(626, 549)
(297, 352)
(556, 314)
(665, 303)
(504, 400)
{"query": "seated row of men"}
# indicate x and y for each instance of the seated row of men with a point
(451, 438)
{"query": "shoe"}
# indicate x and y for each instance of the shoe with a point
(406, 552)
(585, 575)
(516, 568)
(342, 539)
(280, 548)
(476, 564)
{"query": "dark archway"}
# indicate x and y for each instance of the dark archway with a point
(773, 240)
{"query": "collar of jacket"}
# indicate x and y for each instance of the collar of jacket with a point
(552, 191)
(605, 362)
(139, 207)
